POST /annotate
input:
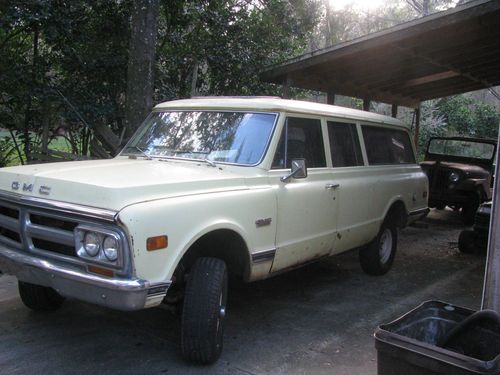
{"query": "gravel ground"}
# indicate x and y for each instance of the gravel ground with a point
(316, 320)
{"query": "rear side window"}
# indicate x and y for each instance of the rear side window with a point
(344, 144)
(303, 141)
(387, 146)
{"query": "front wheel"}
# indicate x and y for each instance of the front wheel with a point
(204, 311)
(39, 298)
(377, 257)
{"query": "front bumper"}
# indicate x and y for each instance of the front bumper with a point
(120, 294)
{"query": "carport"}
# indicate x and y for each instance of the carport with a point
(447, 53)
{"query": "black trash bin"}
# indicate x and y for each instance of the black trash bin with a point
(409, 345)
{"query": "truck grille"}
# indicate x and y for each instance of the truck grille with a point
(34, 230)
(438, 179)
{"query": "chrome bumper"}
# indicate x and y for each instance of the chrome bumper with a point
(120, 294)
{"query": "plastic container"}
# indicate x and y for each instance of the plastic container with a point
(408, 345)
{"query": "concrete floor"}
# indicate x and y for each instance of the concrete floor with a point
(316, 320)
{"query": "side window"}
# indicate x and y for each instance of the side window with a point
(401, 147)
(344, 144)
(303, 140)
(387, 146)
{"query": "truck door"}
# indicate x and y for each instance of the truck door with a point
(306, 220)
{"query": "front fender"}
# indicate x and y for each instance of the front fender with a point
(186, 219)
(476, 185)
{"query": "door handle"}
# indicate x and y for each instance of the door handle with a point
(331, 186)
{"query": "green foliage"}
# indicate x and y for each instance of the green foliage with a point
(466, 116)
(219, 47)
(7, 152)
(59, 52)
(64, 61)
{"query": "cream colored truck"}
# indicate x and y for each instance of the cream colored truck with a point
(207, 187)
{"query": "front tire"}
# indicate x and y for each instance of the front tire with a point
(204, 311)
(376, 258)
(39, 298)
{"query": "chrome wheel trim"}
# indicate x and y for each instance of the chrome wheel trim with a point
(385, 246)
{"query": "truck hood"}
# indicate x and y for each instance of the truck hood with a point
(116, 183)
(460, 166)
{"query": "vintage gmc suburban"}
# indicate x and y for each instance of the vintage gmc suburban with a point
(207, 187)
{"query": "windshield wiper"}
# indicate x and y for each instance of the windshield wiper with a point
(144, 153)
(209, 162)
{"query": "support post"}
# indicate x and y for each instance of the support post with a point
(330, 97)
(366, 105)
(416, 134)
(394, 110)
(491, 290)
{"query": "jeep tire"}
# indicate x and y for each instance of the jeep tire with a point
(204, 311)
(377, 257)
(467, 241)
(39, 298)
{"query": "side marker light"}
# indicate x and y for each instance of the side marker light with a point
(157, 243)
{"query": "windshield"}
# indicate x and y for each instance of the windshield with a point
(227, 137)
(461, 148)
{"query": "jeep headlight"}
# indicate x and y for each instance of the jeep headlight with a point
(99, 245)
(454, 177)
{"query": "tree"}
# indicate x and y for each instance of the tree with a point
(141, 63)
(219, 47)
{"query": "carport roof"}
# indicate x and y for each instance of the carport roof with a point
(443, 54)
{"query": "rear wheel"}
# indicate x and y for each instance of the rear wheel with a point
(378, 256)
(204, 311)
(39, 298)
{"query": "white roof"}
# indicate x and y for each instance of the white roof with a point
(273, 104)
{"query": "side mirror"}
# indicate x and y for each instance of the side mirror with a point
(299, 170)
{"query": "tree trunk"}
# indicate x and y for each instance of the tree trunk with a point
(28, 115)
(140, 75)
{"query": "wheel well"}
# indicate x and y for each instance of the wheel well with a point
(398, 213)
(223, 244)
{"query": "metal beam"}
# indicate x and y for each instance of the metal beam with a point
(491, 290)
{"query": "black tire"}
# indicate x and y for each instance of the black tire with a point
(205, 299)
(467, 241)
(469, 210)
(39, 298)
(376, 260)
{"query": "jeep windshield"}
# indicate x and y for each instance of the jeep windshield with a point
(462, 148)
(225, 137)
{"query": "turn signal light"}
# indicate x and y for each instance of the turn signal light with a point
(101, 271)
(157, 243)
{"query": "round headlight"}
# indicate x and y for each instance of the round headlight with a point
(91, 243)
(110, 247)
(454, 176)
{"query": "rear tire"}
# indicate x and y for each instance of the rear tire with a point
(39, 298)
(467, 241)
(376, 258)
(204, 311)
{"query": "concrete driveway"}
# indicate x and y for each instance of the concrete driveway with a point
(316, 320)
